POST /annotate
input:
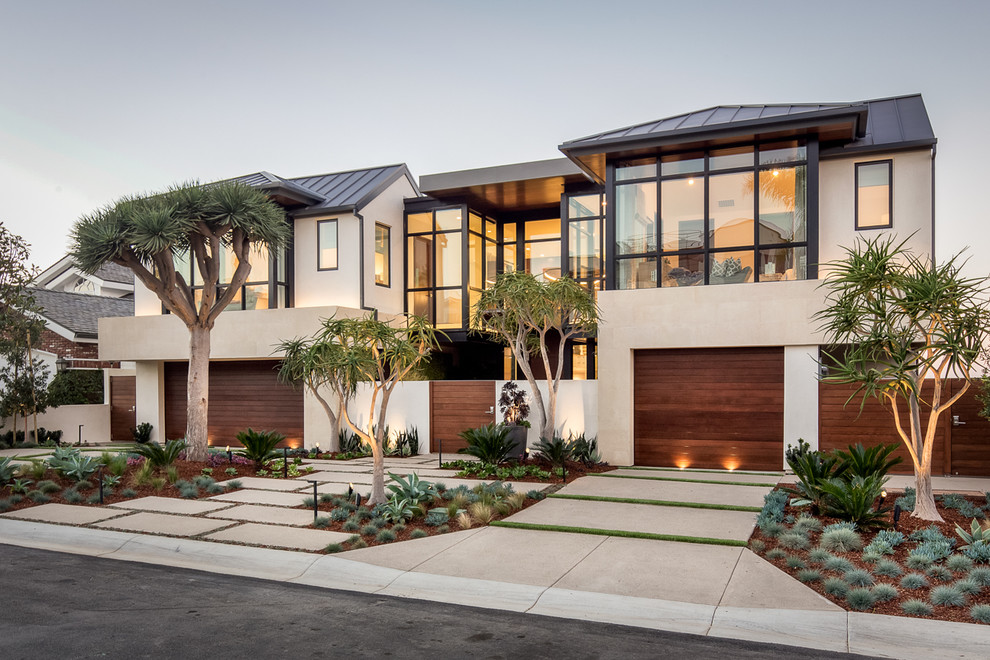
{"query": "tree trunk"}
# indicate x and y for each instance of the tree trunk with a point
(34, 392)
(198, 388)
(378, 450)
(924, 501)
(334, 419)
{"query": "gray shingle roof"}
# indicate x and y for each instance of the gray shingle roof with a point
(112, 272)
(79, 312)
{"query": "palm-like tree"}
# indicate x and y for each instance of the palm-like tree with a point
(148, 234)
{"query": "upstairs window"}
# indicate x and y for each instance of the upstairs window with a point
(383, 255)
(326, 245)
(874, 194)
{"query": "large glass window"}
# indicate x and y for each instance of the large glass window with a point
(267, 285)
(735, 214)
(326, 244)
(874, 194)
(434, 259)
(585, 239)
(541, 248)
(383, 255)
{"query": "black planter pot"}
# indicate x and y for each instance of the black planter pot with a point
(518, 435)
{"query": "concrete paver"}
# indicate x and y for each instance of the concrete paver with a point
(271, 497)
(280, 537)
(262, 483)
(665, 570)
(736, 477)
(758, 583)
(464, 591)
(276, 515)
(338, 477)
(734, 525)
(162, 523)
(64, 513)
(520, 556)
(667, 491)
(169, 505)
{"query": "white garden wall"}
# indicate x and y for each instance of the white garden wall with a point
(95, 419)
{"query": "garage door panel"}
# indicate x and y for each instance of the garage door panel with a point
(716, 408)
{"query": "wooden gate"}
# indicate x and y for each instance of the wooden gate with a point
(458, 405)
(122, 403)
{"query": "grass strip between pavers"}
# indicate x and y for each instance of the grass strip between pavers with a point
(689, 470)
(687, 481)
(619, 532)
(633, 500)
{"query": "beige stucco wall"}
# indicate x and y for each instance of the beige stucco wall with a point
(912, 211)
(320, 288)
(386, 209)
(95, 419)
(759, 314)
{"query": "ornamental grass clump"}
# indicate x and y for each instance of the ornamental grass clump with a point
(948, 595)
(838, 564)
(369, 530)
(321, 522)
(819, 555)
(888, 568)
(980, 613)
(806, 523)
(776, 553)
(968, 587)
(757, 546)
(385, 536)
(885, 592)
(860, 599)
(914, 581)
(836, 587)
(916, 607)
(919, 561)
(350, 525)
(333, 548)
(809, 575)
(959, 563)
(980, 575)
(841, 540)
(418, 534)
(772, 529)
(858, 577)
(794, 541)
(794, 562)
(70, 495)
(939, 573)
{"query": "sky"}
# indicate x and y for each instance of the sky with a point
(101, 99)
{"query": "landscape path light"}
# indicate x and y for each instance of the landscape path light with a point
(100, 468)
(315, 501)
(230, 455)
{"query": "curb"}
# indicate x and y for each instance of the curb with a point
(851, 632)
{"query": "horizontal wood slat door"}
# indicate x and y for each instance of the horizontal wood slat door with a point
(709, 408)
(123, 417)
(841, 425)
(242, 395)
(971, 438)
(455, 406)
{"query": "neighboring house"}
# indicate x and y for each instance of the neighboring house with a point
(702, 236)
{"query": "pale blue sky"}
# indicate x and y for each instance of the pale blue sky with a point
(100, 99)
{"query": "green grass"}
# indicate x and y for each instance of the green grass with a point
(689, 481)
(633, 500)
(620, 533)
(658, 469)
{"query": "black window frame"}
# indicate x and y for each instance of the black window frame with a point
(319, 248)
(388, 254)
(890, 193)
(272, 281)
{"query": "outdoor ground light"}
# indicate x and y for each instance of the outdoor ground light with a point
(315, 499)
(285, 462)
(100, 468)
(230, 455)
(350, 491)
(897, 514)
(883, 496)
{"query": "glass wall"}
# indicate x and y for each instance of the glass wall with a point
(723, 216)
(433, 271)
(585, 231)
(267, 285)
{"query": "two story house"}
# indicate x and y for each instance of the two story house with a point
(701, 235)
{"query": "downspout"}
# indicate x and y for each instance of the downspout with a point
(934, 150)
(360, 218)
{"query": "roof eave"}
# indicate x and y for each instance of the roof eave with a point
(878, 148)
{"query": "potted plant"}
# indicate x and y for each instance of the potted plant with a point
(514, 408)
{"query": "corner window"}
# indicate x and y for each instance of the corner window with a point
(383, 255)
(874, 194)
(326, 244)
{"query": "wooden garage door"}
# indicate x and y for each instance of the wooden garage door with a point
(122, 415)
(709, 408)
(242, 395)
(455, 406)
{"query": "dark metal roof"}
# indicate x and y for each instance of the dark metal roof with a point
(719, 116)
(79, 312)
(112, 272)
(337, 191)
(873, 125)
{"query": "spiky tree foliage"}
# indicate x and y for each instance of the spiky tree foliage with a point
(351, 351)
(524, 313)
(310, 363)
(897, 321)
(23, 380)
(150, 234)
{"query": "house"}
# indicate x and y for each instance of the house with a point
(702, 235)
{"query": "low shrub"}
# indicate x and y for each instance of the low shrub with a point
(385, 536)
(861, 599)
(858, 578)
(259, 446)
(980, 613)
(980, 575)
(809, 575)
(72, 496)
(939, 573)
(776, 553)
(536, 495)
(916, 607)
(436, 518)
(919, 561)
(842, 524)
(350, 526)
(757, 546)
(885, 592)
(794, 562)
(128, 493)
(443, 529)
(333, 548)
(838, 564)
(7, 505)
(47, 486)
(888, 568)
(160, 456)
(772, 529)
(369, 530)
(491, 443)
(959, 562)
(841, 540)
(338, 515)
(794, 540)
(819, 555)
(357, 545)
(914, 581)
(948, 595)
(418, 534)
(321, 522)
(835, 587)
(805, 523)
(968, 587)
(38, 497)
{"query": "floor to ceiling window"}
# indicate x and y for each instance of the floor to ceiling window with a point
(267, 285)
(718, 217)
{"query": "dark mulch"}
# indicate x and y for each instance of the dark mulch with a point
(907, 524)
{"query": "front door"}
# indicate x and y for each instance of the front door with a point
(458, 405)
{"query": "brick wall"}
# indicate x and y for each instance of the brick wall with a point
(82, 355)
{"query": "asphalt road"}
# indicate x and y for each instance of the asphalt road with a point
(66, 606)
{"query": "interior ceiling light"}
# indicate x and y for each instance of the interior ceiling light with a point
(690, 182)
(776, 172)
